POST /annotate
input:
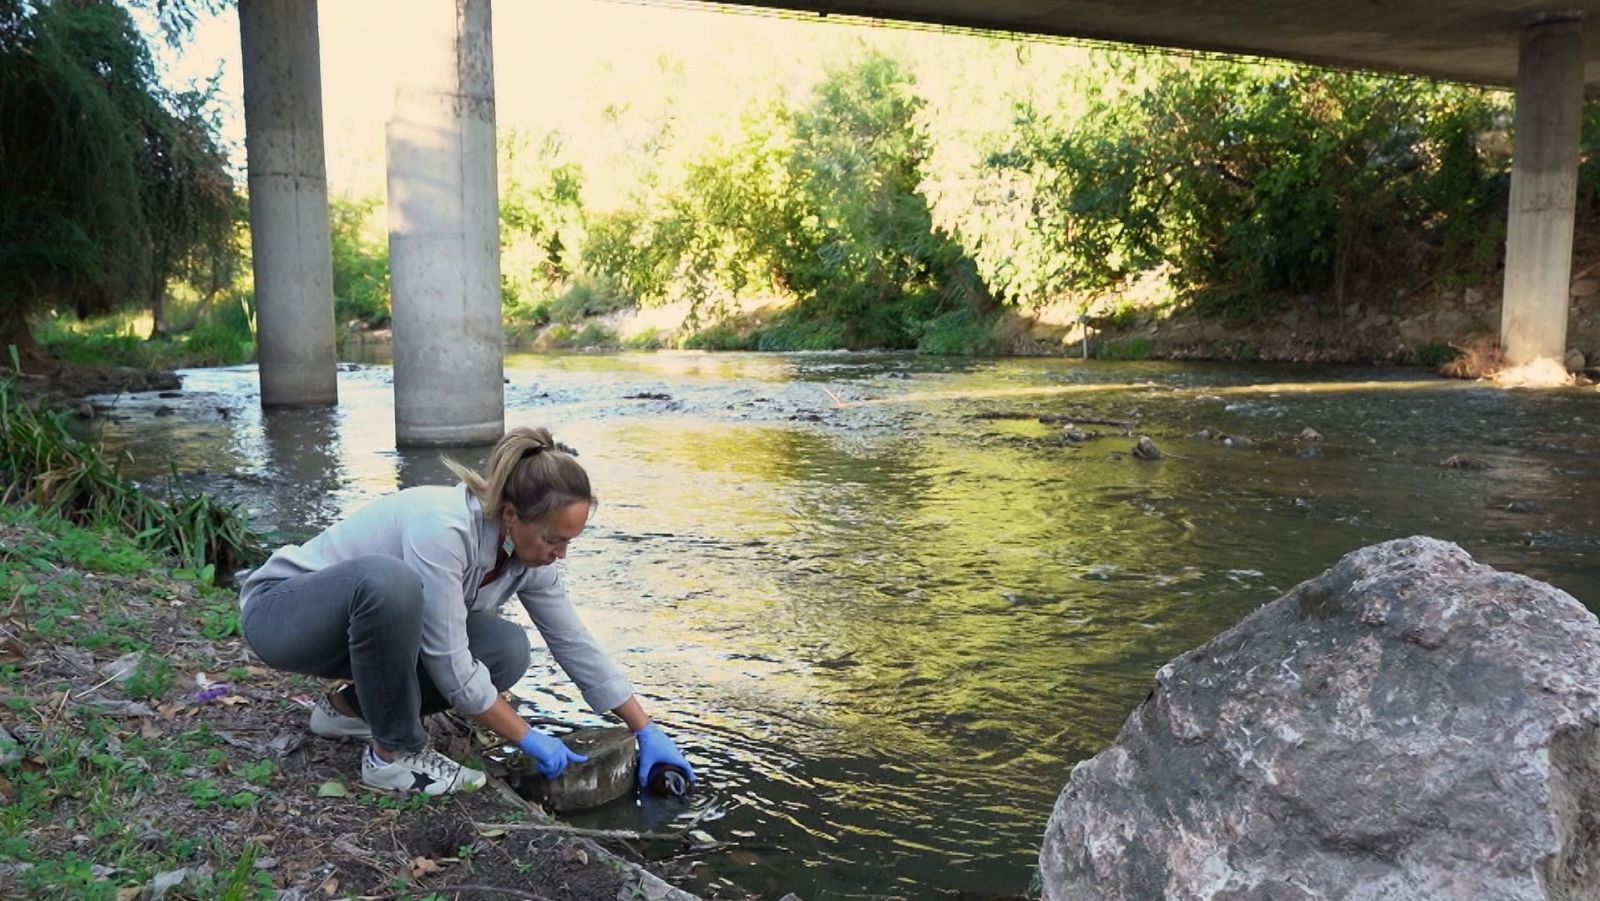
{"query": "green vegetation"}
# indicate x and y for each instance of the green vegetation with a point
(1252, 181)
(42, 464)
(360, 263)
(1222, 186)
(102, 645)
(70, 763)
(902, 193)
(1125, 349)
(113, 187)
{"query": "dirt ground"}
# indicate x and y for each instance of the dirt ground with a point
(120, 771)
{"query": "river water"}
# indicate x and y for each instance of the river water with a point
(885, 622)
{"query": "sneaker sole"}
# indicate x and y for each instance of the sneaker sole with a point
(405, 792)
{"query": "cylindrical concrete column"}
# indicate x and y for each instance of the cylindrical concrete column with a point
(444, 231)
(1544, 178)
(288, 202)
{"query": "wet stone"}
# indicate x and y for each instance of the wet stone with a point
(1145, 449)
(607, 775)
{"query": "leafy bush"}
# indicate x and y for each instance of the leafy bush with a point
(1249, 180)
(360, 263)
(589, 296)
(722, 336)
(958, 333)
(1124, 349)
(649, 339)
(595, 335)
(799, 329)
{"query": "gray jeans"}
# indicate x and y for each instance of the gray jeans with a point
(362, 620)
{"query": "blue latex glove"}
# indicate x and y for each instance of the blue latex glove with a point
(553, 754)
(655, 747)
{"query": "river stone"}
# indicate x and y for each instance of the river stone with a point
(607, 775)
(1407, 725)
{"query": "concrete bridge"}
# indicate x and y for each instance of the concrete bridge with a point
(443, 203)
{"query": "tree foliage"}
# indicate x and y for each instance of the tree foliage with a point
(541, 217)
(822, 203)
(109, 184)
(1250, 181)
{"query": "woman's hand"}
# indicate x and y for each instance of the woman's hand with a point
(655, 747)
(551, 752)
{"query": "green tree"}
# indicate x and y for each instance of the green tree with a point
(541, 216)
(109, 185)
(866, 253)
(1250, 181)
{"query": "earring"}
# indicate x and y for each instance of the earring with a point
(508, 545)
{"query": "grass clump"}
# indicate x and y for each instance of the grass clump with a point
(960, 332)
(1125, 349)
(41, 463)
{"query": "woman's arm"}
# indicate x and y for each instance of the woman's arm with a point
(632, 713)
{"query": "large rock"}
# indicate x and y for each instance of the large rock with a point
(608, 774)
(1408, 725)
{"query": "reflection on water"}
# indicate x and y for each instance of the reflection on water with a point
(886, 625)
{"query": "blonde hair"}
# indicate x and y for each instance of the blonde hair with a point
(532, 472)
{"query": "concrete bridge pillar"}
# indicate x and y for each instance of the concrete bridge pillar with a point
(444, 230)
(1544, 176)
(288, 202)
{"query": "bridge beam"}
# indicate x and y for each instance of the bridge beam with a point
(288, 202)
(444, 231)
(1544, 176)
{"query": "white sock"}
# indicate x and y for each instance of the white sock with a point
(373, 758)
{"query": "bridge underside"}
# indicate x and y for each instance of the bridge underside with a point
(1474, 41)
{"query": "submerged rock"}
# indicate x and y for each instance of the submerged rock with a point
(1408, 725)
(607, 775)
(1145, 449)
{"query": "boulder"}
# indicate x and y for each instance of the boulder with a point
(1145, 449)
(607, 775)
(1408, 725)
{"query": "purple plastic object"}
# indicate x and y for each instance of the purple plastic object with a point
(211, 694)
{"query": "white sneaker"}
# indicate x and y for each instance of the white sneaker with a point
(328, 722)
(426, 771)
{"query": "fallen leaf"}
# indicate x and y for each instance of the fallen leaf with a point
(492, 833)
(573, 853)
(422, 866)
(331, 887)
(333, 789)
(129, 892)
(232, 700)
(149, 730)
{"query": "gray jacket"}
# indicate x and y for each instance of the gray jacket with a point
(442, 534)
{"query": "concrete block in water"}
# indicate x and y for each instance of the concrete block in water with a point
(609, 773)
